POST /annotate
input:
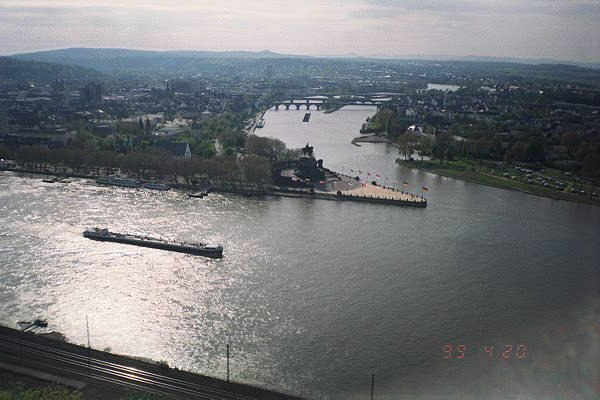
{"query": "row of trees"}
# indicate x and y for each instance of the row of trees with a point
(388, 122)
(584, 150)
(270, 148)
(147, 164)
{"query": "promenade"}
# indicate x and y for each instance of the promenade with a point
(349, 188)
(369, 190)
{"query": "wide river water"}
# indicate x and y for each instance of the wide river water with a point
(315, 296)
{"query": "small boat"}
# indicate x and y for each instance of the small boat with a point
(22, 325)
(42, 323)
(306, 117)
(37, 323)
(198, 195)
(157, 186)
(51, 180)
(260, 123)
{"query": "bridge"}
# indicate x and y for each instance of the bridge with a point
(307, 103)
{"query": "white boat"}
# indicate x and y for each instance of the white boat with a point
(260, 123)
(114, 180)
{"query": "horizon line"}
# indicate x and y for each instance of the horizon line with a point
(422, 57)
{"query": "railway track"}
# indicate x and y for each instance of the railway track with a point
(74, 363)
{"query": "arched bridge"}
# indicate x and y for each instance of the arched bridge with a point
(307, 103)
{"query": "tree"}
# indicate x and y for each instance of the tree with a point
(482, 147)
(442, 146)
(535, 149)
(407, 144)
(571, 140)
(270, 148)
(591, 161)
(384, 119)
(256, 169)
(496, 145)
(424, 146)
(206, 149)
(518, 151)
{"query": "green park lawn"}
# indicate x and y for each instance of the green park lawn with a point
(492, 174)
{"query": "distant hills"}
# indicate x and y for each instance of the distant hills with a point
(141, 61)
(488, 59)
(12, 70)
(83, 53)
(88, 56)
(239, 63)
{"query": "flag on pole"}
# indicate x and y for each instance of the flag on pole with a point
(425, 189)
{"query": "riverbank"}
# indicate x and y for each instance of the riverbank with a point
(251, 127)
(376, 197)
(333, 109)
(372, 138)
(493, 174)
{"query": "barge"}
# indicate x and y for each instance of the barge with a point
(200, 249)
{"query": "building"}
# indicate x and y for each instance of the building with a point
(181, 151)
(181, 86)
(47, 137)
(91, 93)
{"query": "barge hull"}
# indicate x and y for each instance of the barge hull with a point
(160, 246)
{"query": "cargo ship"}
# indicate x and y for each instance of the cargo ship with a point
(199, 249)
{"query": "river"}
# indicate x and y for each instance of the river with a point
(315, 296)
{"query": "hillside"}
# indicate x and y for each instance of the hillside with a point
(131, 62)
(13, 70)
(135, 62)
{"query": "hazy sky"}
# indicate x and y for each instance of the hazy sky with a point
(566, 30)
